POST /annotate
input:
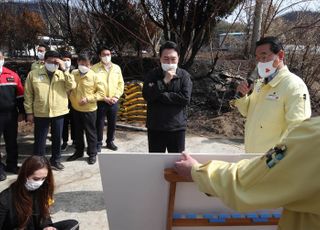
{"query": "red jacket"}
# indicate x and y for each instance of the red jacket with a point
(11, 91)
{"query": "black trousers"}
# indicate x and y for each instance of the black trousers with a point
(9, 129)
(68, 121)
(85, 122)
(110, 111)
(66, 225)
(160, 141)
(41, 128)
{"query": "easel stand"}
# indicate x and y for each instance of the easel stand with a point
(190, 220)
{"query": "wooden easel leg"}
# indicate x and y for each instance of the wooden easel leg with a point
(172, 194)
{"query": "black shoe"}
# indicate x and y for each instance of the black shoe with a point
(64, 146)
(57, 166)
(92, 160)
(3, 175)
(14, 170)
(75, 156)
(112, 146)
(99, 148)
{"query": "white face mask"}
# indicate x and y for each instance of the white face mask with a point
(83, 69)
(32, 185)
(166, 67)
(41, 55)
(106, 59)
(51, 67)
(265, 69)
(67, 64)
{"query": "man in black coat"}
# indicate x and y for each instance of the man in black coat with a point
(167, 91)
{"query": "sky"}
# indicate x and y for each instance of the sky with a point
(313, 5)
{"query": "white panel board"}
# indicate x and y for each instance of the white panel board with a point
(136, 193)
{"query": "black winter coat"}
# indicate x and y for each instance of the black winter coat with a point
(8, 214)
(167, 103)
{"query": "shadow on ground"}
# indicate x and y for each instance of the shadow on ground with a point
(85, 201)
(224, 140)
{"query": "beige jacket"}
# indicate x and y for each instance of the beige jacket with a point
(292, 183)
(45, 97)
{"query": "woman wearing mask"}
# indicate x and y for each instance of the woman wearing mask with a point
(25, 204)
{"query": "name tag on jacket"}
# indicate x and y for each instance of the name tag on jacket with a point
(273, 97)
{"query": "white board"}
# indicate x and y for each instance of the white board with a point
(136, 193)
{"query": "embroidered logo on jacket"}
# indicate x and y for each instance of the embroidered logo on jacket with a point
(10, 79)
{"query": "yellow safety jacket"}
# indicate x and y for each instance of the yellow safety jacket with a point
(45, 97)
(112, 80)
(273, 109)
(37, 65)
(87, 86)
(291, 183)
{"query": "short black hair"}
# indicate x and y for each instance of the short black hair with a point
(169, 45)
(65, 54)
(275, 44)
(86, 55)
(51, 53)
(43, 45)
(102, 48)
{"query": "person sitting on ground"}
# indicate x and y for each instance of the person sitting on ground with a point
(25, 204)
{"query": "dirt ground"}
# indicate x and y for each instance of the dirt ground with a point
(227, 125)
(200, 123)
